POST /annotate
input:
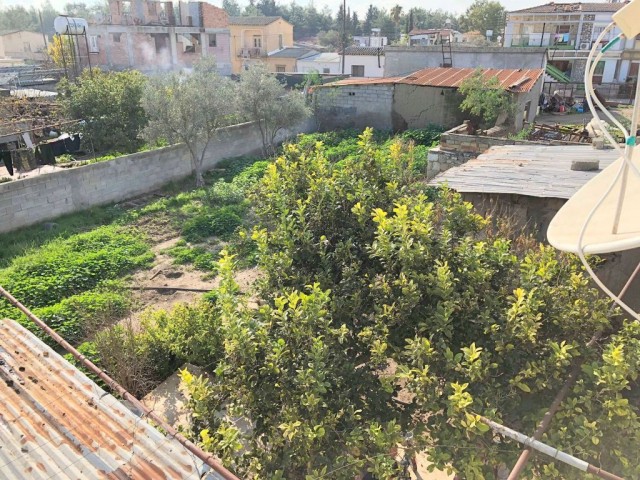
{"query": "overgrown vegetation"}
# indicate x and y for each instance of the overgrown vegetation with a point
(485, 97)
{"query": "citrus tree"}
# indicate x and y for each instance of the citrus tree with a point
(389, 307)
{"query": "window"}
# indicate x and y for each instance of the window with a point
(257, 41)
(116, 37)
(325, 70)
(280, 43)
(213, 41)
(126, 8)
(357, 70)
(599, 68)
(281, 68)
(93, 44)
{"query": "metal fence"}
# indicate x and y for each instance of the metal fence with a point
(619, 93)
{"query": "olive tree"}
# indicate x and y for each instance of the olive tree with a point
(261, 98)
(189, 108)
(485, 97)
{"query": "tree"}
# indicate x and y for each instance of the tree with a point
(485, 97)
(108, 103)
(231, 7)
(331, 39)
(61, 50)
(372, 13)
(377, 286)
(189, 108)
(264, 100)
(484, 15)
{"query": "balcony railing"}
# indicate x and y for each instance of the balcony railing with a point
(559, 41)
(251, 52)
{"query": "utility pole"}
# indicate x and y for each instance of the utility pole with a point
(44, 37)
(344, 32)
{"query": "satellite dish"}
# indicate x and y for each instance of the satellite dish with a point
(602, 217)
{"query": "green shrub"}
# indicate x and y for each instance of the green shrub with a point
(197, 256)
(424, 136)
(218, 222)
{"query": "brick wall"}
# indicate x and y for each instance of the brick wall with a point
(44, 197)
(213, 17)
(355, 106)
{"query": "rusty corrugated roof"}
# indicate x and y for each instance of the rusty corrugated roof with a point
(57, 423)
(520, 80)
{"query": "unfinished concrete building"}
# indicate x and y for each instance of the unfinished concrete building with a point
(152, 35)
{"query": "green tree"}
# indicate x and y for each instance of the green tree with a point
(484, 15)
(331, 39)
(262, 99)
(108, 103)
(189, 108)
(231, 7)
(485, 97)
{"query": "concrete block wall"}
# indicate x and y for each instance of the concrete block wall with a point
(44, 197)
(355, 106)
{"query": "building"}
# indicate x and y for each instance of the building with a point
(19, 44)
(569, 30)
(528, 184)
(149, 36)
(434, 36)
(402, 60)
(57, 423)
(326, 63)
(286, 60)
(428, 96)
(364, 62)
(372, 40)
(253, 38)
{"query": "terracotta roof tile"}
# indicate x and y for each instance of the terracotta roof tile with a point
(572, 7)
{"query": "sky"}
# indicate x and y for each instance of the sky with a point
(360, 6)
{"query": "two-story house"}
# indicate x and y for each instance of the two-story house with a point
(253, 39)
(152, 35)
(570, 30)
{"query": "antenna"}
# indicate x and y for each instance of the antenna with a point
(602, 216)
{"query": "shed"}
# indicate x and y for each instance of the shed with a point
(57, 423)
(428, 96)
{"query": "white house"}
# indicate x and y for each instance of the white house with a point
(569, 30)
(434, 36)
(322, 63)
(364, 61)
(375, 39)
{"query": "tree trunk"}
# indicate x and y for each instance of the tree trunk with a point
(199, 178)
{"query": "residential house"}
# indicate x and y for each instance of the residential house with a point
(150, 35)
(569, 30)
(364, 61)
(434, 36)
(58, 423)
(19, 44)
(286, 60)
(253, 38)
(372, 40)
(402, 60)
(428, 96)
(325, 63)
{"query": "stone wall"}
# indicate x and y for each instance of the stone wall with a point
(44, 197)
(354, 106)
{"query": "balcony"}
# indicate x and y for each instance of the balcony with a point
(552, 41)
(251, 52)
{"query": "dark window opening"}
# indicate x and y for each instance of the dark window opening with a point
(116, 37)
(357, 70)
(213, 41)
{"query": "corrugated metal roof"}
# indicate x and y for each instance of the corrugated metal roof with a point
(327, 57)
(252, 20)
(513, 80)
(56, 423)
(532, 170)
(292, 52)
(572, 7)
(364, 51)
(364, 81)
(433, 31)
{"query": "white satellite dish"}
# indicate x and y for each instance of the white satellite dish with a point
(603, 216)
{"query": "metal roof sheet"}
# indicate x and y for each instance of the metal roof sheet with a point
(292, 52)
(532, 170)
(57, 423)
(328, 57)
(253, 20)
(432, 31)
(553, 7)
(519, 80)
(364, 51)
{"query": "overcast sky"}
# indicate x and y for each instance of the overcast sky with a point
(360, 6)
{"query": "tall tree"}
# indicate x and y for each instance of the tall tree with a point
(372, 13)
(189, 108)
(484, 15)
(232, 7)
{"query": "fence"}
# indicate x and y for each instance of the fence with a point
(620, 93)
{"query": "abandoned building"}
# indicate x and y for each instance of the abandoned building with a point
(151, 36)
(428, 96)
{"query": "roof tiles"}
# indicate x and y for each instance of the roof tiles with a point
(572, 7)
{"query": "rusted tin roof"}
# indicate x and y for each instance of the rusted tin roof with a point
(514, 80)
(57, 423)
